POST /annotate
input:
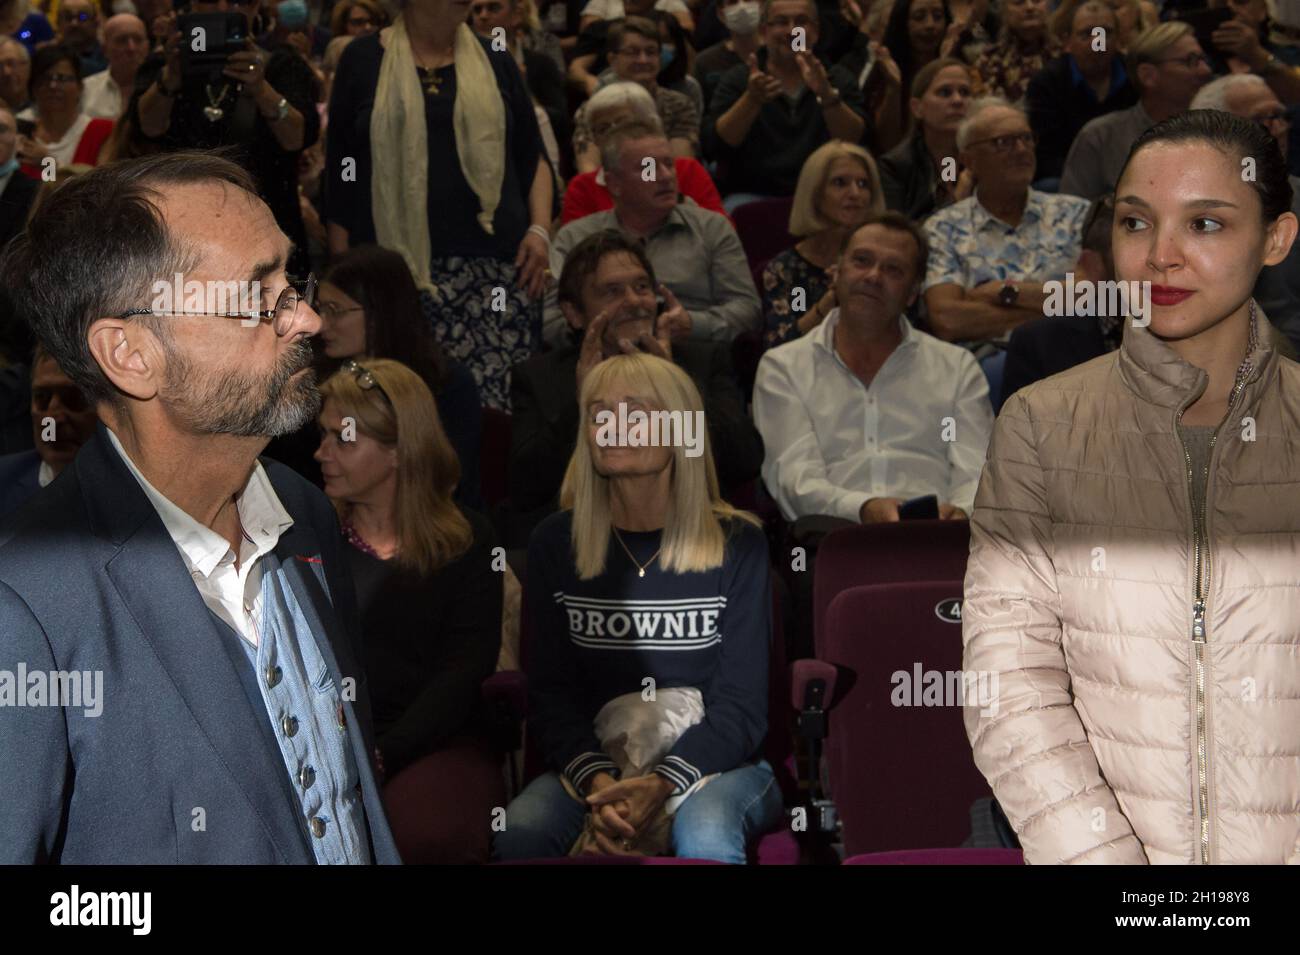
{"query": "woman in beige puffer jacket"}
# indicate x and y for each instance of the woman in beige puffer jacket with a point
(1146, 648)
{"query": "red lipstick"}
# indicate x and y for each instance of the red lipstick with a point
(1170, 295)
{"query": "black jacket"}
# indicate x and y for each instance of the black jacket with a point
(1058, 109)
(15, 202)
(1046, 346)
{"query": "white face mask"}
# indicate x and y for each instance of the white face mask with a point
(743, 17)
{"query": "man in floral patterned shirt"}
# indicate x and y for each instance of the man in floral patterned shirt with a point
(992, 252)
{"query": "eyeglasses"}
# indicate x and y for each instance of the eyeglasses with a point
(1277, 116)
(632, 52)
(1005, 144)
(1103, 206)
(365, 378)
(331, 310)
(71, 398)
(1191, 60)
(297, 292)
(76, 17)
(59, 79)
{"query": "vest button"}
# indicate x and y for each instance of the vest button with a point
(290, 726)
(306, 776)
(317, 826)
(273, 674)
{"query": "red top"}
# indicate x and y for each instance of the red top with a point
(584, 195)
(87, 152)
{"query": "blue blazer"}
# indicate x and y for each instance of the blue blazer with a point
(19, 480)
(180, 766)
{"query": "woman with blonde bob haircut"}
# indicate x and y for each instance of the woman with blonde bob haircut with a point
(429, 602)
(838, 189)
(646, 573)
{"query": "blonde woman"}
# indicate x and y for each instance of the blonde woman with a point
(428, 598)
(645, 574)
(839, 187)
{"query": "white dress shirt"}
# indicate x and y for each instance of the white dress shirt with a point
(102, 98)
(235, 596)
(832, 443)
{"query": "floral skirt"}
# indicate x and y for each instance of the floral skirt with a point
(483, 319)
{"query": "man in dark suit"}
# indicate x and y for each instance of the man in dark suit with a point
(61, 421)
(177, 610)
(607, 294)
(17, 192)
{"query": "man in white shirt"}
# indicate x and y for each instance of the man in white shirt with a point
(865, 412)
(126, 44)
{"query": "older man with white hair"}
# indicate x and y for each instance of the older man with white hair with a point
(992, 252)
(126, 44)
(1249, 96)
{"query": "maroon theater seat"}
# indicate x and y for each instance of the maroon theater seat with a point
(941, 857)
(494, 456)
(764, 228)
(884, 554)
(901, 771)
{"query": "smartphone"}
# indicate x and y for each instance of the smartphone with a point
(217, 35)
(923, 508)
(1204, 22)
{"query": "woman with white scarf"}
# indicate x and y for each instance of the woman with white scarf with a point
(433, 151)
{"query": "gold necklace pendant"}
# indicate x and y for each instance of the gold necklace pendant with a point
(432, 85)
(640, 568)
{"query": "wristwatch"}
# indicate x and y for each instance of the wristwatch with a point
(1008, 294)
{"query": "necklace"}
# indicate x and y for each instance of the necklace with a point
(213, 110)
(640, 567)
(429, 74)
(357, 541)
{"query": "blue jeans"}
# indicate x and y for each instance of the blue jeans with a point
(717, 822)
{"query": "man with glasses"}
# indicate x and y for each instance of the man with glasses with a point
(634, 54)
(78, 29)
(992, 252)
(62, 421)
(1077, 87)
(1243, 94)
(263, 103)
(1168, 66)
(203, 587)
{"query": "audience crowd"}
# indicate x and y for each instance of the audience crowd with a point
(832, 227)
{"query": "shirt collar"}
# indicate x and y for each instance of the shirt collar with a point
(44, 474)
(1118, 74)
(823, 336)
(260, 512)
(1033, 211)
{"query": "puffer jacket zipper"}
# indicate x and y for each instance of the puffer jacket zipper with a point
(1200, 634)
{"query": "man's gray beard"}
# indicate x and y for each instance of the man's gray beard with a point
(224, 407)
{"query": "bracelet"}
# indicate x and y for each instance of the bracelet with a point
(541, 232)
(831, 101)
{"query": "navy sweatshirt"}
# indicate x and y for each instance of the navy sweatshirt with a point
(597, 639)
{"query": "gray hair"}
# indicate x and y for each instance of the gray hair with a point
(611, 150)
(1214, 95)
(978, 106)
(22, 48)
(623, 95)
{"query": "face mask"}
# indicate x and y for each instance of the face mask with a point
(742, 18)
(7, 167)
(292, 14)
(666, 55)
